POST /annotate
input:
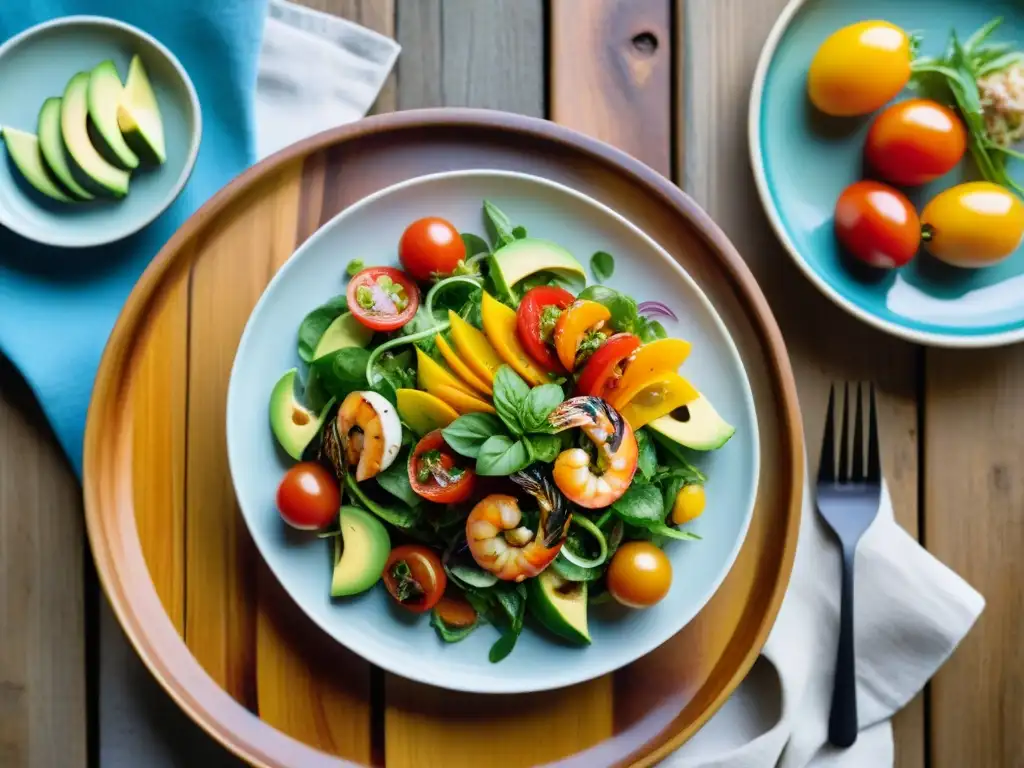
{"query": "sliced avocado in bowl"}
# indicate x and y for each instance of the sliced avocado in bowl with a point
(52, 145)
(559, 605)
(103, 99)
(23, 147)
(343, 332)
(294, 425)
(74, 118)
(138, 116)
(522, 258)
(360, 552)
(695, 425)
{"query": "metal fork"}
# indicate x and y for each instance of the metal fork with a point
(848, 502)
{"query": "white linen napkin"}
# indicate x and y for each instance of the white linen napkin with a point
(910, 612)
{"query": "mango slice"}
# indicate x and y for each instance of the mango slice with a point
(462, 402)
(500, 326)
(462, 370)
(656, 398)
(650, 360)
(474, 348)
(430, 375)
(424, 412)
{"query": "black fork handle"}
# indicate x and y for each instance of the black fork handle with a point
(842, 722)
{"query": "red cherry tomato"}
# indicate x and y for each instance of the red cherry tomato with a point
(915, 141)
(383, 298)
(877, 224)
(605, 363)
(430, 246)
(308, 497)
(415, 577)
(432, 463)
(529, 318)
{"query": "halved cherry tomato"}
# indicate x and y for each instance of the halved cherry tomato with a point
(383, 298)
(430, 246)
(915, 141)
(577, 327)
(605, 364)
(877, 224)
(533, 319)
(415, 577)
(434, 473)
(308, 497)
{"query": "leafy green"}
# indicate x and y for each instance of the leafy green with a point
(342, 371)
(640, 505)
(313, 325)
(467, 434)
(544, 448)
(399, 515)
(625, 317)
(450, 634)
(471, 576)
(395, 371)
(602, 265)
(572, 572)
(650, 330)
(474, 244)
(501, 456)
(512, 602)
(647, 461)
(660, 529)
(500, 225)
(538, 405)
(519, 233)
(510, 392)
(395, 480)
(354, 267)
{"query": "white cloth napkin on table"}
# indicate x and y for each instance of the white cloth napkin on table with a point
(910, 612)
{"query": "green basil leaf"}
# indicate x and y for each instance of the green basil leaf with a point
(395, 480)
(315, 323)
(468, 433)
(342, 371)
(500, 456)
(544, 448)
(399, 515)
(670, 487)
(503, 647)
(510, 392)
(623, 310)
(500, 225)
(602, 265)
(538, 404)
(474, 244)
(640, 505)
(660, 529)
(450, 634)
(647, 461)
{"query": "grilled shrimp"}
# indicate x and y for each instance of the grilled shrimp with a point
(509, 550)
(370, 433)
(594, 484)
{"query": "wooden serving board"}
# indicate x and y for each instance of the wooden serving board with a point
(203, 611)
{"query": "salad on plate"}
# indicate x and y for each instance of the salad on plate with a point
(490, 437)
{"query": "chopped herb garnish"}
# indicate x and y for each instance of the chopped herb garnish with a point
(431, 465)
(364, 296)
(354, 267)
(548, 318)
(406, 586)
(591, 341)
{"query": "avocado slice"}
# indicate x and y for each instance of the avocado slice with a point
(360, 552)
(559, 605)
(294, 425)
(52, 146)
(695, 425)
(344, 331)
(138, 115)
(23, 148)
(74, 129)
(103, 100)
(522, 258)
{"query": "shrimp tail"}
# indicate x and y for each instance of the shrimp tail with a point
(587, 412)
(555, 512)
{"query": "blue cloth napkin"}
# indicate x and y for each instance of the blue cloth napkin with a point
(57, 306)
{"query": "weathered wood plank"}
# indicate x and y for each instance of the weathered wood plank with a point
(42, 613)
(973, 496)
(723, 39)
(611, 74)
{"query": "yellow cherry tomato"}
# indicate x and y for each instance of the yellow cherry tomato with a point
(859, 68)
(973, 225)
(689, 504)
(639, 575)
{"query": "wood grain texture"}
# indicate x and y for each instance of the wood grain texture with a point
(42, 615)
(723, 39)
(610, 74)
(973, 496)
(159, 413)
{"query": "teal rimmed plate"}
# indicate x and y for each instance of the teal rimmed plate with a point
(802, 161)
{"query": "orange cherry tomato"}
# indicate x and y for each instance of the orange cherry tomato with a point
(430, 246)
(639, 575)
(308, 497)
(973, 225)
(574, 328)
(877, 224)
(915, 141)
(415, 577)
(858, 68)
(435, 474)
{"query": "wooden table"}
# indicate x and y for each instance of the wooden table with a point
(668, 82)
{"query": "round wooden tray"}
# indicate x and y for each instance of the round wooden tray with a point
(174, 556)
